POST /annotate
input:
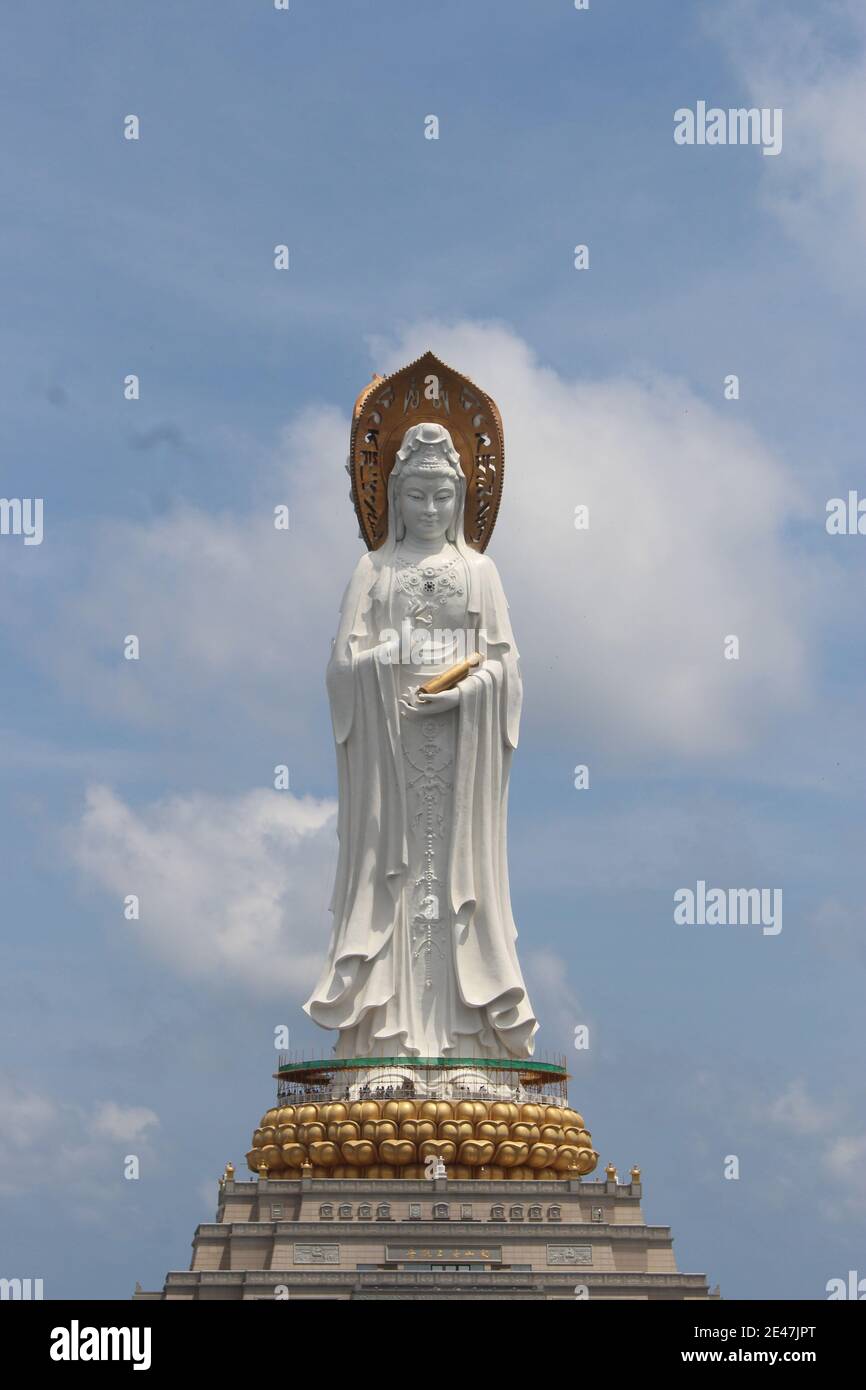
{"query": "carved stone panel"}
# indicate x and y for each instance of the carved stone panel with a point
(316, 1254)
(569, 1254)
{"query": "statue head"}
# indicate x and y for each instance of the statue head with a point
(426, 489)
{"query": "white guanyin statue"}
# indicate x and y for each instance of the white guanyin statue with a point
(423, 960)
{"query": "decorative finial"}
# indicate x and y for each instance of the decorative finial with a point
(610, 1170)
(635, 1173)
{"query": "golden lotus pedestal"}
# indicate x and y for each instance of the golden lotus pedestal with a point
(379, 1130)
(404, 1138)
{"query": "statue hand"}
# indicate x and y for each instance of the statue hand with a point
(419, 705)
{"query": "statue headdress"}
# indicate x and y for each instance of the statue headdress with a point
(427, 394)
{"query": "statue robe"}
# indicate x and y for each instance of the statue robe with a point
(363, 989)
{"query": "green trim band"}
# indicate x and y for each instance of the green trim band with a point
(443, 1063)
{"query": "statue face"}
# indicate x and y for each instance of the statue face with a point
(427, 506)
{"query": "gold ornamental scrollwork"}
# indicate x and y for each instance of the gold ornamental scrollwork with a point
(426, 390)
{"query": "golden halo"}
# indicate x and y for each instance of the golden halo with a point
(426, 391)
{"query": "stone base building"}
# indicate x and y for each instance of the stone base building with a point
(432, 1239)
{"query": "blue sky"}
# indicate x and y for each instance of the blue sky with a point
(156, 257)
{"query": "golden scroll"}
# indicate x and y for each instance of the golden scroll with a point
(453, 676)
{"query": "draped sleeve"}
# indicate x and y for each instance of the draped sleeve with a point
(352, 633)
(502, 659)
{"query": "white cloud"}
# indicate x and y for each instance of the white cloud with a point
(846, 1158)
(843, 1165)
(230, 888)
(837, 928)
(554, 1000)
(621, 627)
(838, 1156)
(123, 1122)
(813, 66)
(78, 1143)
(27, 1118)
(795, 1111)
(231, 614)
